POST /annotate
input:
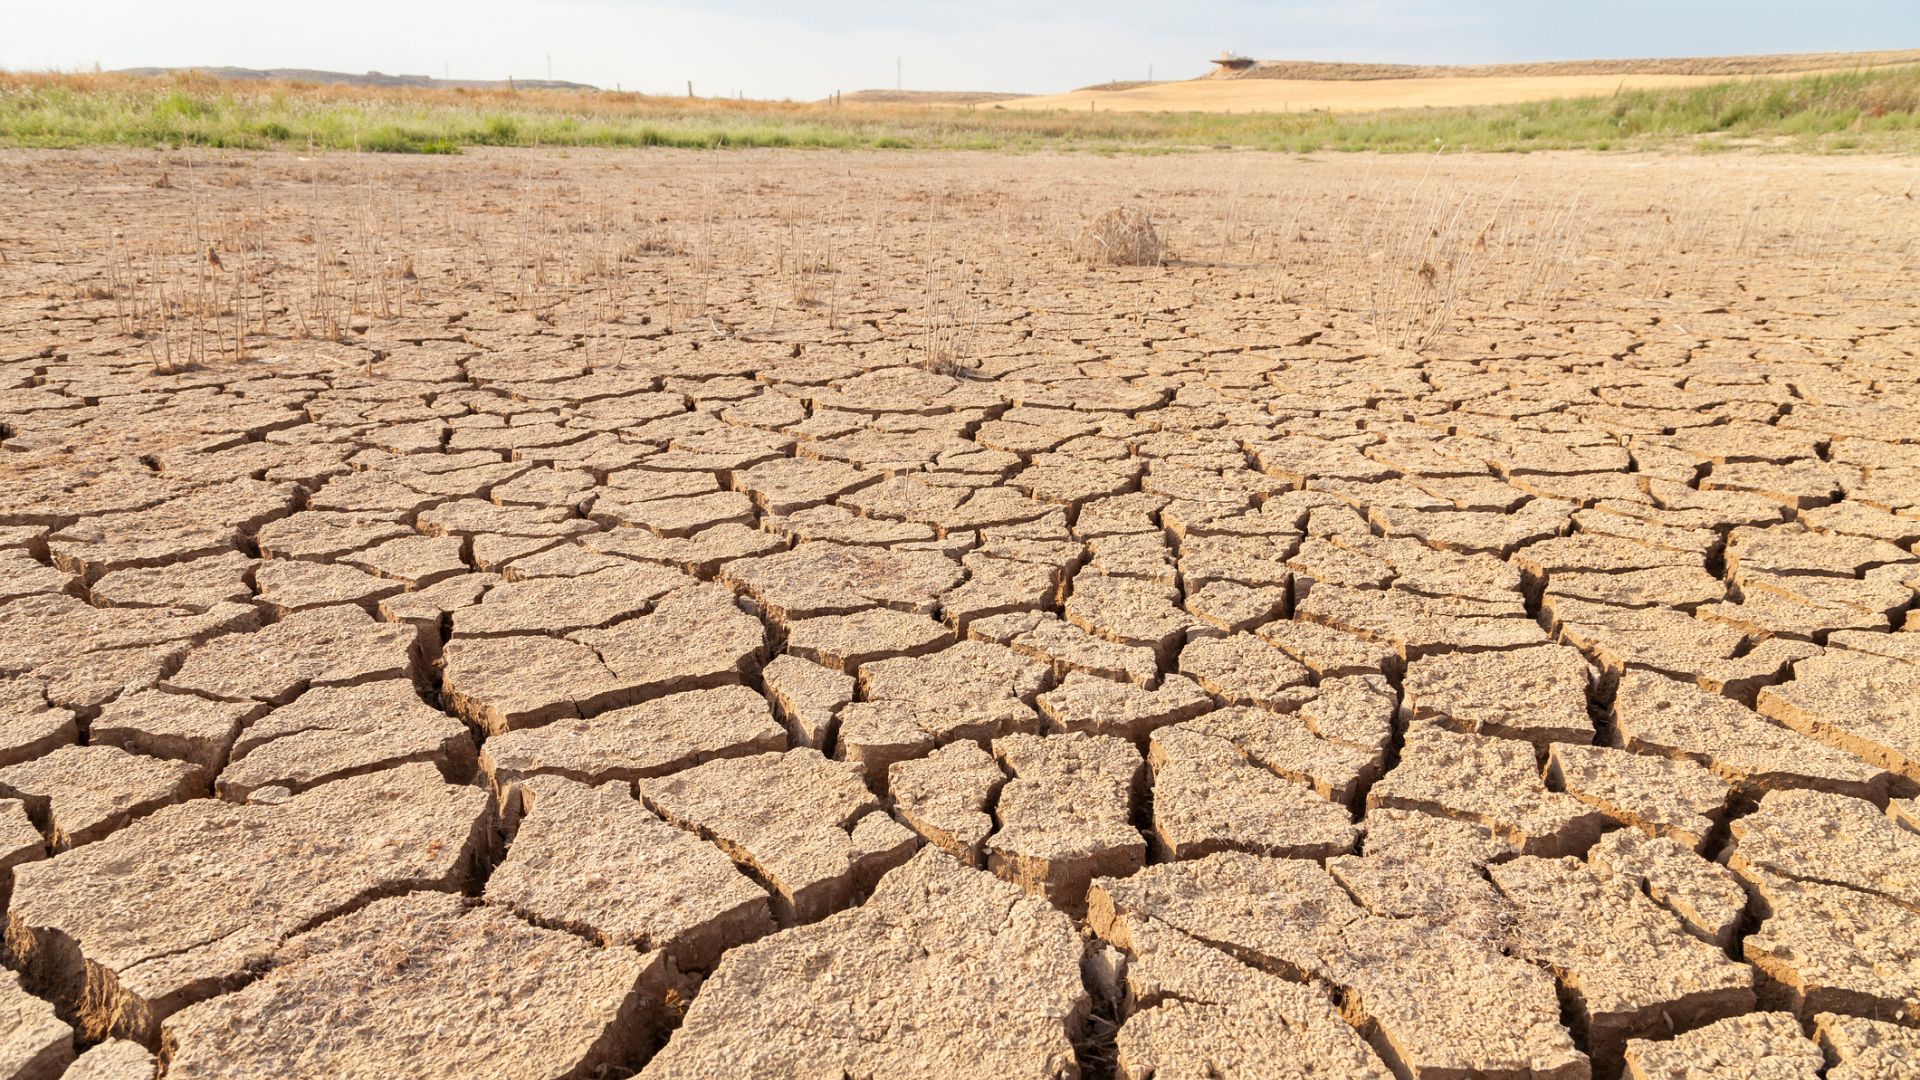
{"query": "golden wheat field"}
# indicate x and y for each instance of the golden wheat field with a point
(542, 613)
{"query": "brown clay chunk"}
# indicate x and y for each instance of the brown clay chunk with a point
(845, 642)
(1334, 744)
(659, 736)
(29, 725)
(835, 579)
(198, 585)
(1328, 652)
(1630, 967)
(1211, 793)
(1415, 625)
(331, 732)
(1438, 890)
(542, 1002)
(947, 797)
(1662, 796)
(1199, 1012)
(1537, 694)
(287, 586)
(115, 1059)
(1233, 607)
(1758, 1046)
(1817, 836)
(1443, 1004)
(595, 861)
(807, 697)
(1066, 647)
(504, 683)
(1705, 896)
(94, 679)
(1409, 834)
(693, 639)
(1488, 781)
(1244, 670)
(785, 485)
(165, 911)
(34, 1043)
(1066, 814)
(415, 561)
(805, 825)
(896, 987)
(20, 841)
(427, 608)
(334, 646)
(910, 705)
(557, 605)
(1866, 1049)
(81, 793)
(1658, 715)
(50, 628)
(1130, 611)
(188, 727)
(1098, 706)
(1831, 948)
(1862, 703)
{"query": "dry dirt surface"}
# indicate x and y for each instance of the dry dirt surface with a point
(771, 615)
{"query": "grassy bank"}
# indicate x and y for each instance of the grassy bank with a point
(1877, 110)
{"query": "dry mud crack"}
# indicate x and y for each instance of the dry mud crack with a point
(769, 615)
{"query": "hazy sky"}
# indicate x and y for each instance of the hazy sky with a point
(807, 50)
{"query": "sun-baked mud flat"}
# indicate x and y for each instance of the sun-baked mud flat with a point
(795, 615)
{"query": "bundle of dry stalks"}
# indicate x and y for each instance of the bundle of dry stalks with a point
(1123, 236)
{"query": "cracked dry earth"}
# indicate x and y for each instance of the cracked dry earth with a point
(945, 659)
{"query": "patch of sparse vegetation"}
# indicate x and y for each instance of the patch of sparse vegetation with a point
(1876, 109)
(1123, 236)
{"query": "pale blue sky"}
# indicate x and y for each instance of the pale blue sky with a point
(807, 50)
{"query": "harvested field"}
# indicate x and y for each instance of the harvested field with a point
(606, 613)
(1723, 66)
(1363, 88)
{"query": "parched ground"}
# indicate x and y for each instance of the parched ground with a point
(761, 614)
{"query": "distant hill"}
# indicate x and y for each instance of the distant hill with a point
(371, 78)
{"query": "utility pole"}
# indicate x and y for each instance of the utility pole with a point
(689, 87)
(549, 67)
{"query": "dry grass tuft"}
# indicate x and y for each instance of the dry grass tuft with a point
(1123, 236)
